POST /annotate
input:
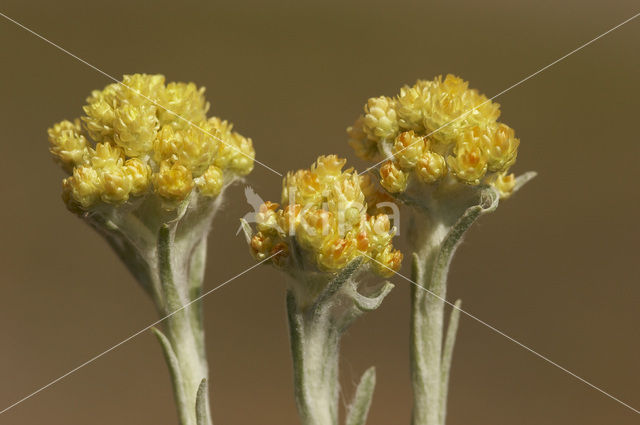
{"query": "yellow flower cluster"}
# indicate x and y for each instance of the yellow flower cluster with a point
(324, 212)
(436, 129)
(143, 136)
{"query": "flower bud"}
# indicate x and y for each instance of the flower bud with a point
(392, 178)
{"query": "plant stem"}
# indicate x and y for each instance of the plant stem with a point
(180, 274)
(440, 231)
(447, 357)
(315, 349)
(165, 250)
(427, 322)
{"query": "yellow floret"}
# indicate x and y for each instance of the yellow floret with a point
(135, 127)
(141, 131)
(195, 148)
(303, 186)
(364, 147)
(380, 119)
(325, 211)
(211, 182)
(316, 226)
(335, 254)
(345, 193)
(431, 167)
(141, 89)
(289, 219)
(378, 229)
(387, 262)
(183, 100)
(241, 158)
(505, 184)
(468, 164)
(392, 178)
(173, 182)
(100, 113)
(106, 155)
(328, 167)
(410, 105)
(462, 137)
(267, 217)
(500, 147)
(139, 175)
(67, 144)
(116, 185)
(261, 245)
(84, 186)
(408, 149)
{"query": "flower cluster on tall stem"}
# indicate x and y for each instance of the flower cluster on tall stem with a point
(444, 156)
(147, 169)
(328, 238)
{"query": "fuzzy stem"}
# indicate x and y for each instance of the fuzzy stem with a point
(315, 349)
(430, 362)
(447, 356)
(440, 224)
(427, 320)
(183, 330)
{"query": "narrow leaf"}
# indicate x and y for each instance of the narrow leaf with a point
(359, 408)
(203, 416)
(372, 302)
(337, 282)
(171, 295)
(523, 179)
(447, 356)
(176, 375)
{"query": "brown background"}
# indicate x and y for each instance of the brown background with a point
(556, 267)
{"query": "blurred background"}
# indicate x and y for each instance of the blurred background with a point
(556, 267)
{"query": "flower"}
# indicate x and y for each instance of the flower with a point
(68, 145)
(143, 138)
(437, 130)
(393, 178)
(445, 158)
(324, 214)
(324, 238)
(147, 169)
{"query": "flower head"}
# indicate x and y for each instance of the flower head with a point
(323, 220)
(143, 138)
(434, 131)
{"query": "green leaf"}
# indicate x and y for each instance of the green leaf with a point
(296, 335)
(336, 283)
(359, 408)
(523, 179)
(176, 375)
(372, 302)
(172, 301)
(202, 404)
(447, 356)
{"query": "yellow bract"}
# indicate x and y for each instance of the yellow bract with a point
(435, 129)
(142, 131)
(325, 211)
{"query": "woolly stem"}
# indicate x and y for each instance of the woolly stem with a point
(184, 335)
(440, 231)
(315, 346)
